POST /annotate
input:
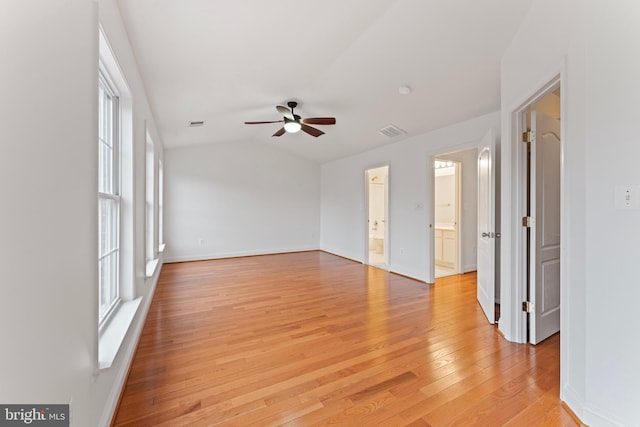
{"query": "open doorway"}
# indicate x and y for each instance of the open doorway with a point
(377, 221)
(541, 157)
(446, 233)
(457, 224)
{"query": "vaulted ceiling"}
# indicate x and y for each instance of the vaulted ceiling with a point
(227, 62)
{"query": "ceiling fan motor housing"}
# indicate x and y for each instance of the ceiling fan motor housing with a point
(296, 118)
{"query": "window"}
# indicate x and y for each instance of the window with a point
(160, 206)
(118, 297)
(150, 204)
(108, 199)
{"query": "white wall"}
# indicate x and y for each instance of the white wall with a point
(48, 307)
(551, 41)
(239, 199)
(343, 211)
(612, 158)
(589, 44)
(48, 217)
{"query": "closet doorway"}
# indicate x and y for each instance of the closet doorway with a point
(541, 152)
(377, 222)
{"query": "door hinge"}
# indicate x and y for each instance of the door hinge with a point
(528, 221)
(527, 307)
(528, 136)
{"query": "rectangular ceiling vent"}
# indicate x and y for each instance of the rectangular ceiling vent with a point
(196, 124)
(392, 131)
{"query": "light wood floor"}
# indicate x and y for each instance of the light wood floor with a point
(310, 339)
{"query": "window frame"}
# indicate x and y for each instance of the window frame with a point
(150, 200)
(113, 196)
(160, 204)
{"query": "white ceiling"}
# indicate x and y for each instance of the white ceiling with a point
(227, 62)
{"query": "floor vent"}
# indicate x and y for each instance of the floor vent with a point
(392, 131)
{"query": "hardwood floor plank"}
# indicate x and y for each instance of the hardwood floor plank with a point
(311, 339)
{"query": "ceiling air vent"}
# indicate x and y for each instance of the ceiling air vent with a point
(196, 124)
(392, 131)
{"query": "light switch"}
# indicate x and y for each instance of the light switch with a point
(627, 197)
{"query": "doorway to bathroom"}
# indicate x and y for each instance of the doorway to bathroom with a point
(455, 213)
(447, 217)
(377, 221)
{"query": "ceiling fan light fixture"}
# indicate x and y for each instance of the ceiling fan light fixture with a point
(292, 126)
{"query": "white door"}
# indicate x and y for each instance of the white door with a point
(486, 225)
(545, 234)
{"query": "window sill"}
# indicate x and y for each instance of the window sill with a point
(114, 333)
(151, 267)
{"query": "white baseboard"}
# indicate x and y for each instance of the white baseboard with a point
(359, 261)
(127, 354)
(222, 255)
(597, 417)
(469, 268)
(589, 414)
(571, 398)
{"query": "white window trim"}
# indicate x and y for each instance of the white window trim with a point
(151, 267)
(113, 330)
(151, 216)
(109, 87)
(113, 334)
(161, 244)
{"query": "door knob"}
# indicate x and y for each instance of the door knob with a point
(486, 235)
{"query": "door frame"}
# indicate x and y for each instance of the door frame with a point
(513, 293)
(367, 199)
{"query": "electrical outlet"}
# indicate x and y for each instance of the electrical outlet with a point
(201, 241)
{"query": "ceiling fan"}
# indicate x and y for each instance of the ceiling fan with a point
(294, 123)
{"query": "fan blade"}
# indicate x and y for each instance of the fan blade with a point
(260, 123)
(285, 112)
(320, 121)
(280, 132)
(312, 131)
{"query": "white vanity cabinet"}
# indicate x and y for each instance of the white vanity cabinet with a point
(444, 242)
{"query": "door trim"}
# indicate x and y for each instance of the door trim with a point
(514, 283)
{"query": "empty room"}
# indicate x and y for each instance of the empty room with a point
(229, 213)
